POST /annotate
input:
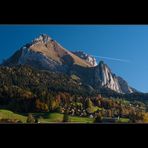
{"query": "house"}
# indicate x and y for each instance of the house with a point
(91, 116)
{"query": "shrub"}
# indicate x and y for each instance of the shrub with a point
(30, 119)
(99, 118)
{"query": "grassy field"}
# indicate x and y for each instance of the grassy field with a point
(44, 117)
(123, 120)
(57, 117)
(6, 114)
(49, 117)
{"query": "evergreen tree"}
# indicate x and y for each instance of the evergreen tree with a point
(65, 116)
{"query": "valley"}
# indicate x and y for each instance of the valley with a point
(43, 82)
(46, 118)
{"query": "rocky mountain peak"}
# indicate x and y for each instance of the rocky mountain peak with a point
(42, 38)
(45, 53)
(111, 81)
(86, 57)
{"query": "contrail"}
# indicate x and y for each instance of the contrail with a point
(113, 59)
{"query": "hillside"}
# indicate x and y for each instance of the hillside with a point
(24, 90)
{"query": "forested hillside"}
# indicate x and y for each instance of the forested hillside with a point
(24, 89)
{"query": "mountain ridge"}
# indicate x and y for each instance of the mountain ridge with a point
(47, 54)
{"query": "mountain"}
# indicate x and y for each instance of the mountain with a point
(110, 80)
(44, 53)
(101, 76)
(86, 57)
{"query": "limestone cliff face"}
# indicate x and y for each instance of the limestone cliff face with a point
(109, 80)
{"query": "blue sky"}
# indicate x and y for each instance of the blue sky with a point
(125, 46)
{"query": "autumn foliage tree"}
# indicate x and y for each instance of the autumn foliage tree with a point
(41, 106)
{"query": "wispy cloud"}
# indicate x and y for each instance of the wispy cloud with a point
(113, 59)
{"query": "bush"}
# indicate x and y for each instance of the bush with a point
(136, 117)
(30, 119)
(98, 119)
